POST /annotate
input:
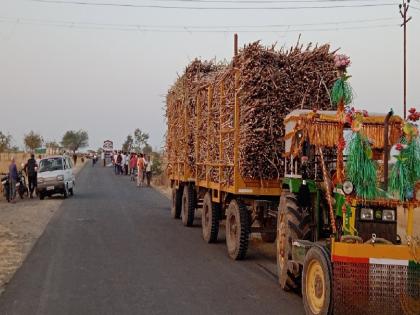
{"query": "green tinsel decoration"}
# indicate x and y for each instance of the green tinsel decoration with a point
(399, 180)
(342, 91)
(360, 168)
(406, 171)
(412, 153)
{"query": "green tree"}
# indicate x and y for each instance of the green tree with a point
(32, 140)
(140, 139)
(5, 142)
(128, 144)
(75, 140)
(157, 163)
(147, 149)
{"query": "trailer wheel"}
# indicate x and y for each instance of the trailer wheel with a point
(188, 205)
(292, 224)
(316, 283)
(210, 218)
(176, 203)
(237, 229)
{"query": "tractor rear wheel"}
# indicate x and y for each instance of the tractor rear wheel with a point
(237, 229)
(316, 283)
(210, 219)
(188, 205)
(176, 203)
(292, 223)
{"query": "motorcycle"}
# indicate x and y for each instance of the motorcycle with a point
(6, 186)
(21, 186)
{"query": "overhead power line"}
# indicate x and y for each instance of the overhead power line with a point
(261, 1)
(189, 29)
(181, 7)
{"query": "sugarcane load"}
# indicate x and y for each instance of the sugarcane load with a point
(271, 144)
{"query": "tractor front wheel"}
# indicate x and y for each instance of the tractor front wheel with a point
(316, 283)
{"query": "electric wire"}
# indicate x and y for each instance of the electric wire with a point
(153, 6)
(358, 21)
(182, 29)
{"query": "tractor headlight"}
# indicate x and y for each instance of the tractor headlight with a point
(366, 214)
(348, 187)
(60, 178)
(388, 215)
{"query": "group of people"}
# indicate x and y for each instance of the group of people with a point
(137, 165)
(31, 170)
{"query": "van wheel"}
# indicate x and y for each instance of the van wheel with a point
(71, 191)
(66, 192)
(237, 229)
(41, 196)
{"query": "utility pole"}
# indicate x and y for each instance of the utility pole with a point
(404, 6)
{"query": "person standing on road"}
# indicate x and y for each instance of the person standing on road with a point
(149, 163)
(133, 165)
(126, 162)
(114, 161)
(13, 178)
(140, 170)
(74, 158)
(31, 169)
(94, 159)
(119, 161)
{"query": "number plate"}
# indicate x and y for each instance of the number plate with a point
(50, 188)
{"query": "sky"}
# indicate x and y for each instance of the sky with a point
(106, 68)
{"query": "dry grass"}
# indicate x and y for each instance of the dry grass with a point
(20, 158)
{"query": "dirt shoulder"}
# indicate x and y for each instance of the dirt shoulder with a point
(21, 224)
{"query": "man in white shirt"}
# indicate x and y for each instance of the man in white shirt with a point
(115, 162)
(149, 163)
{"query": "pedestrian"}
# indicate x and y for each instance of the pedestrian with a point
(149, 170)
(133, 165)
(119, 161)
(94, 158)
(103, 158)
(13, 178)
(75, 158)
(126, 162)
(114, 161)
(140, 170)
(31, 168)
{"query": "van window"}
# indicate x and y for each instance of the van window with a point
(51, 164)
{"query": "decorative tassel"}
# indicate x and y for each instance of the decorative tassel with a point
(361, 169)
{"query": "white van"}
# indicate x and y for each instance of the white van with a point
(55, 176)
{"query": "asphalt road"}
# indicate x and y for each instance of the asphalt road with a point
(113, 249)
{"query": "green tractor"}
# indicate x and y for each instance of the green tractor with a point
(337, 237)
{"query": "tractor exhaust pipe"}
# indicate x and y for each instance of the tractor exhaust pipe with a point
(386, 148)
